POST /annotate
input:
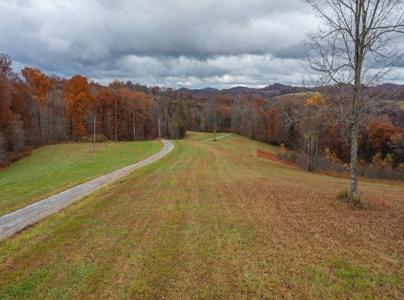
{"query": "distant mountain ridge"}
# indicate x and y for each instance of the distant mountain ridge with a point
(269, 91)
(393, 91)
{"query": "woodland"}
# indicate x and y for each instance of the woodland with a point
(310, 124)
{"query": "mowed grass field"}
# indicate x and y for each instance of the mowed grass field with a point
(202, 136)
(213, 221)
(54, 168)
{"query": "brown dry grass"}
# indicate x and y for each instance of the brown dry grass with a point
(213, 221)
(272, 156)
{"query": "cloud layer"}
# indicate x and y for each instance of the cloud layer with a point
(174, 43)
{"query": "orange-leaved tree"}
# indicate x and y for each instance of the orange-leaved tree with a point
(78, 104)
(6, 114)
(138, 106)
(39, 85)
(380, 134)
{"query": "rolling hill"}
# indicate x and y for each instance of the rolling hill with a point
(212, 220)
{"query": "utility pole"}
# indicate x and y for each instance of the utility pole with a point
(158, 121)
(134, 125)
(214, 126)
(94, 130)
(116, 121)
(167, 130)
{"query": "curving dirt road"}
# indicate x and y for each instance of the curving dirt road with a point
(16, 221)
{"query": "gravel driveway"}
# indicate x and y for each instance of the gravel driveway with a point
(16, 221)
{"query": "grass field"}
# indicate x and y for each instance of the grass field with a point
(202, 136)
(213, 221)
(400, 103)
(299, 94)
(51, 169)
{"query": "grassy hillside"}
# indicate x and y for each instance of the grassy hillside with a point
(213, 221)
(51, 169)
(201, 136)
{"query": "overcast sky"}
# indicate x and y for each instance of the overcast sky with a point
(177, 43)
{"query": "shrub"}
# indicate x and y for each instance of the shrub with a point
(343, 195)
(293, 157)
(379, 160)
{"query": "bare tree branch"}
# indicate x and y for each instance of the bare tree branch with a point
(355, 47)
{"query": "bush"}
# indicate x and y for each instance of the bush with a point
(382, 172)
(380, 168)
(382, 162)
(343, 195)
(293, 157)
(287, 155)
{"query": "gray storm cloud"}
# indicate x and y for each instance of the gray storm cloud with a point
(177, 43)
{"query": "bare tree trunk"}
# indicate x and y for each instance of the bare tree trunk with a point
(308, 151)
(167, 130)
(313, 138)
(359, 44)
(134, 126)
(51, 121)
(316, 148)
(38, 114)
(354, 142)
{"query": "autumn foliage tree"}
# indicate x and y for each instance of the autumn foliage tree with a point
(12, 109)
(139, 104)
(104, 102)
(380, 135)
(39, 85)
(122, 112)
(127, 111)
(5, 111)
(5, 91)
(78, 104)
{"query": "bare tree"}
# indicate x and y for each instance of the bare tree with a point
(356, 47)
(313, 116)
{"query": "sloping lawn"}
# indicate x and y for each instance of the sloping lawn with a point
(201, 136)
(213, 221)
(54, 168)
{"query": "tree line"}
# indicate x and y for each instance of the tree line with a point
(37, 109)
(315, 127)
